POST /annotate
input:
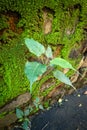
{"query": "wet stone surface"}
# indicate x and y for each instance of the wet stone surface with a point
(70, 115)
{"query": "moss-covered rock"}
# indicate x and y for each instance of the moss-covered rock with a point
(68, 21)
(13, 79)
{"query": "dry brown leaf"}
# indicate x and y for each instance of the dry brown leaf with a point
(56, 91)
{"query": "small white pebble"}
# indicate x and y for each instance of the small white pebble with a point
(66, 100)
(78, 95)
(60, 100)
(80, 105)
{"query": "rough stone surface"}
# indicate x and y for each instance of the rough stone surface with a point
(7, 120)
(11, 118)
(20, 100)
(71, 114)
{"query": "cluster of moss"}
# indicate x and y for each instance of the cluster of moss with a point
(69, 19)
(3, 23)
(66, 15)
(13, 79)
(30, 11)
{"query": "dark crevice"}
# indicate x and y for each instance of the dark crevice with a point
(49, 10)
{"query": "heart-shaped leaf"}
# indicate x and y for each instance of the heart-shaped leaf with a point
(62, 63)
(19, 113)
(33, 70)
(34, 47)
(62, 77)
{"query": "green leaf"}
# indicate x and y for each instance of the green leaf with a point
(26, 125)
(26, 112)
(37, 100)
(62, 77)
(62, 63)
(19, 113)
(48, 52)
(21, 120)
(36, 105)
(34, 47)
(41, 107)
(33, 70)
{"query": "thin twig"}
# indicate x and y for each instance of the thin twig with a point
(45, 126)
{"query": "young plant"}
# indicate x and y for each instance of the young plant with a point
(37, 104)
(34, 70)
(23, 117)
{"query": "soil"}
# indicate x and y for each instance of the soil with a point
(71, 114)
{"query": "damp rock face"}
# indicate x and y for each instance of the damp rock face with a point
(71, 114)
(11, 118)
(7, 120)
(19, 101)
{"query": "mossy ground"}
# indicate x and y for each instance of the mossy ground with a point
(69, 20)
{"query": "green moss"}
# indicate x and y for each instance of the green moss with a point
(31, 14)
(2, 115)
(65, 18)
(38, 84)
(7, 36)
(3, 22)
(12, 57)
(69, 19)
